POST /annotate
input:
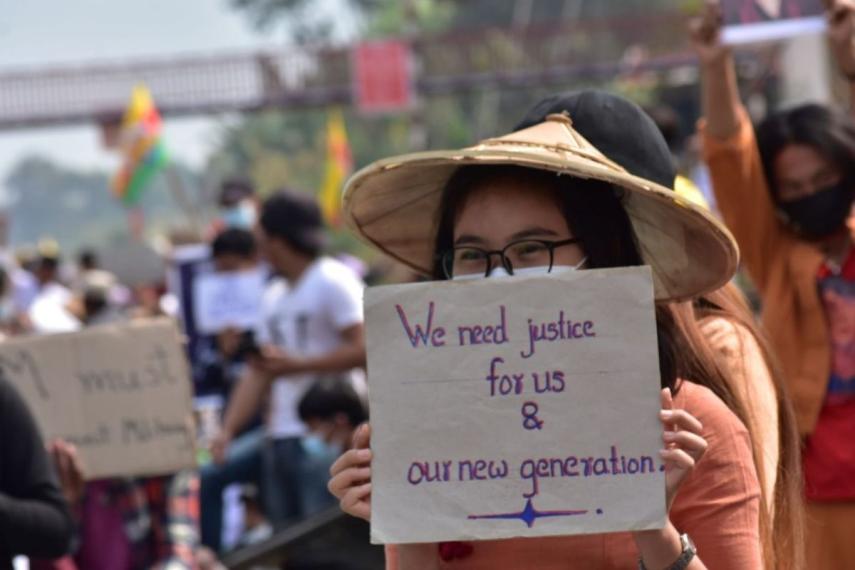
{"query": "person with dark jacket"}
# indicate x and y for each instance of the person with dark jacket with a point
(34, 518)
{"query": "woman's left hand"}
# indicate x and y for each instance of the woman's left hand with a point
(684, 445)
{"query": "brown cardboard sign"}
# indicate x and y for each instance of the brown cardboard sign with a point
(121, 394)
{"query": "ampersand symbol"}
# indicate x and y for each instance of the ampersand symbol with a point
(530, 420)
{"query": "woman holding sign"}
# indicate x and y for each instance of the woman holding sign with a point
(500, 209)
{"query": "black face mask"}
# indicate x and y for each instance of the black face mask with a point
(822, 213)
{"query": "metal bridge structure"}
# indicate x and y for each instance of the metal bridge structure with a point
(299, 77)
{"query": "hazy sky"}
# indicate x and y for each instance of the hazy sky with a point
(38, 32)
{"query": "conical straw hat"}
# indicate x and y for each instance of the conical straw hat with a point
(394, 204)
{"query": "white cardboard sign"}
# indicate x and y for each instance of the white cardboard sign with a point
(228, 300)
(515, 407)
(758, 21)
(121, 394)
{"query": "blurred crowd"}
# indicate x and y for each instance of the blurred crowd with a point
(265, 447)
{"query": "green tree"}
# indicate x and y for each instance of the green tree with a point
(315, 20)
(305, 20)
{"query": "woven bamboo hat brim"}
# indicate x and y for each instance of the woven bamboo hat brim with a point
(394, 204)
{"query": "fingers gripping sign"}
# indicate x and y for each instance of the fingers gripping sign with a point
(684, 445)
(351, 476)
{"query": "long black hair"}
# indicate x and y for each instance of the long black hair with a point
(828, 131)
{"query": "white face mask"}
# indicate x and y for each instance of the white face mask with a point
(316, 446)
(242, 216)
(499, 271)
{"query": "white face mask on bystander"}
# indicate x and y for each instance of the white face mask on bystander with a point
(242, 216)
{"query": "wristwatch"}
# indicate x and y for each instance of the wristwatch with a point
(686, 556)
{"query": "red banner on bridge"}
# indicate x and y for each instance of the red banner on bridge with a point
(383, 77)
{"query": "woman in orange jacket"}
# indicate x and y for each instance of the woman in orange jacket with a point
(786, 193)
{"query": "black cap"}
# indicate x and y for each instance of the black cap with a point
(619, 128)
(235, 189)
(296, 218)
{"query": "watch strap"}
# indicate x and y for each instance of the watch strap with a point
(686, 555)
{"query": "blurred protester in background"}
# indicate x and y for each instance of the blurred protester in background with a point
(332, 410)
(90, 275)
(24, 286)
(49, 311)
(7, 305)
(128, 523)
(238, 204)
(152, 301)
(87, 260)
(98, 307)
(34, 518)
(256, 528)
(25, 257)
(787, 197)
(233, 250)
(312, 325)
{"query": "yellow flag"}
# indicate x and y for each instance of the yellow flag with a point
(339, 164)
(140, 106)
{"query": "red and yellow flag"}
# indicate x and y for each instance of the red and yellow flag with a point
(339, 164)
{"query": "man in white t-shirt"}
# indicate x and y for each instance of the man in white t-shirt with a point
(312, 326)
(49, 312)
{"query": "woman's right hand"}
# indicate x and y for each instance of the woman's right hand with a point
(351, 476)
(705, 33)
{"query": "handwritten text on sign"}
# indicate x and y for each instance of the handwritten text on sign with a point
(121, 394)
(515, 407)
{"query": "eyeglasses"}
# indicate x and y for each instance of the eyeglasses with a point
(471, 260)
